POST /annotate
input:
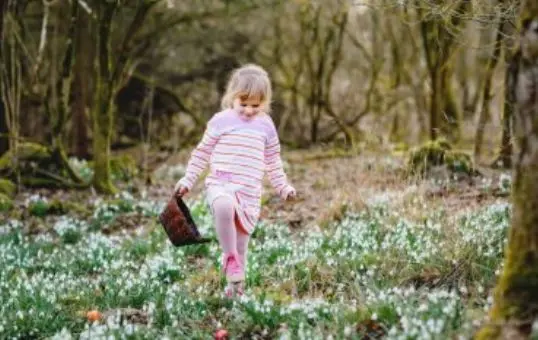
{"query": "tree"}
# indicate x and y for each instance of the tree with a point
(439, 38)
(484, 115)
(516, 294)
(504, 158)
(111, 72)
(4, 142)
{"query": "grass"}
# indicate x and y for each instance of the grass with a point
(375, 272)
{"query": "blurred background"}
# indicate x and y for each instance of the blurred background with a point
(87, 79)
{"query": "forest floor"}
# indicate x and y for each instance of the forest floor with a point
(364, 251)
(330, 182)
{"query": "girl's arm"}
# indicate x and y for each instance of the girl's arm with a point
(274, 169)
(200, 157)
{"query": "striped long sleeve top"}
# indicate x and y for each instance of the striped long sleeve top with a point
(241, 153)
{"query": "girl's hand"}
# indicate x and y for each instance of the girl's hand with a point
(289, 193)
(180, 190)
(292, 195)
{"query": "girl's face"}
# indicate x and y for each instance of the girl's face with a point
(247, 107)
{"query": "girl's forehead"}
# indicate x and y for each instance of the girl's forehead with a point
(249, 98)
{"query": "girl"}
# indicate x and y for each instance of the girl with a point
(240, 145)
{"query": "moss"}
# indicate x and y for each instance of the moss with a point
(38, 166)
(58, 207)
(7, 187)
(459, 162)
(400, 147)
(438, 153)
(102, 173)
(5, 203)
(123, 168)
(26, 151)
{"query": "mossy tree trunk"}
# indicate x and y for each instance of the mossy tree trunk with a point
(110, 75)
(504, 159)
(516, 295)
(102, 119)
(485, 114)
(439, 40)
(81, 84)
(61, 93)
(4, 131)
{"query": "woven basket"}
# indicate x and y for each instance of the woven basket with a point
(179, 225)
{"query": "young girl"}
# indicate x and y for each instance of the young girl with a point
(240, 145)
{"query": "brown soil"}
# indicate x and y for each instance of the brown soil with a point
(329, 184)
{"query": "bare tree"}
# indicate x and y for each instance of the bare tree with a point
(111, 71)
(439, 37)
(487, 95)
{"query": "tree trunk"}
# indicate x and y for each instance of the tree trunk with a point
(102, 105)
(504, 160)
(438, 42)
(516, 295)
(102, 131)
(450, 110)
(110, 76)
(485, 112)
(4, 131)
(80, 87)
(435, 103)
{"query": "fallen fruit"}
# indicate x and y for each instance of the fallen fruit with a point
(221, 334)
(93, 315)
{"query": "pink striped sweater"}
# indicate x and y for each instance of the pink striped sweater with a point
(239, 152)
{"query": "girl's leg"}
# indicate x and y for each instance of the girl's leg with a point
(242, 246)
(223, 212)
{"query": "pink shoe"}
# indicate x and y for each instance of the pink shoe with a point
(233, 268)
(234, 289)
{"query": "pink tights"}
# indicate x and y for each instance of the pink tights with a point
(231, 238)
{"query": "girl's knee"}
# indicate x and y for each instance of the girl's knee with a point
(223, 207)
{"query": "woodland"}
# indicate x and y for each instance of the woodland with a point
(409, 128)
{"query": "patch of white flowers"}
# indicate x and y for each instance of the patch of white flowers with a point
(66, 224)
(321, 280)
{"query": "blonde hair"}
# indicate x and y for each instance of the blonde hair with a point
(251, 81)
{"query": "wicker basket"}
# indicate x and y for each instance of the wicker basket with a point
(179, 225)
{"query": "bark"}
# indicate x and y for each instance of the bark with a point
(516, 294)
(4, 131)
(485, 112)
(427, 30)
(438, 42)
(63, 90)
(84, 53)
(504, 159)
(102, 105)
(110, 78)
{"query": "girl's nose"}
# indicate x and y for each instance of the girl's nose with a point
(249, 110)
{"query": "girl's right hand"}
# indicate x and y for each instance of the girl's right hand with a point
(181, 190)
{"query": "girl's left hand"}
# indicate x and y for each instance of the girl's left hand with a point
(289, 194)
